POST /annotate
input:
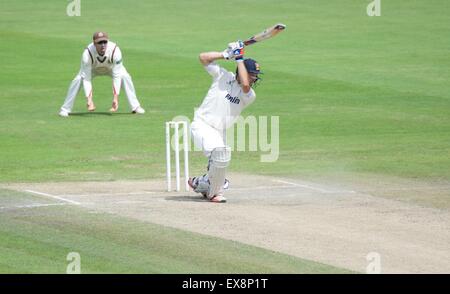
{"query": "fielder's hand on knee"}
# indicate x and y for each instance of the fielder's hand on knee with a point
(115, 104)
(90, 104)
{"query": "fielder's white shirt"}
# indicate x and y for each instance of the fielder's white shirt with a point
(93, 64)
(225, 99)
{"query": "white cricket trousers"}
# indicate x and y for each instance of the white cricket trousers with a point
(126, 83)
(206, 137)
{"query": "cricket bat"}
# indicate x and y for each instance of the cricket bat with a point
(266, 34)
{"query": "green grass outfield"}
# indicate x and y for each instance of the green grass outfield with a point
(354, 94)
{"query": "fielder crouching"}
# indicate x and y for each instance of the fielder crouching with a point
(228, 95)
(101, 57)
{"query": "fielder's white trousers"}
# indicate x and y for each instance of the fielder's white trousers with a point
(126, 81)
(206, 137)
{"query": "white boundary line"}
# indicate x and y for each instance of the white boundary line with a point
(54, 197)
(111, 194)
(302, 186)
(261, 188)
(291, 185)
(31, 205)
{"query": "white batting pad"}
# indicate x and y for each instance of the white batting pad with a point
(220, 158)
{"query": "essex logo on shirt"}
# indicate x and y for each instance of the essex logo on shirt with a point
(232, 99)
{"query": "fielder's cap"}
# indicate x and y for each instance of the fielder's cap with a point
(100, 36)
(252, 66)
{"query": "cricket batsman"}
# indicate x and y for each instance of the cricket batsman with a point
(101, 57)
(227, 97)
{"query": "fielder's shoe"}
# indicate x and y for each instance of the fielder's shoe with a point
(90, 106)
(218, 199)
(63, 113)
(139, 110)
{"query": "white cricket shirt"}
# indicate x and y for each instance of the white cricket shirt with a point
(93, 64)
(225, 99)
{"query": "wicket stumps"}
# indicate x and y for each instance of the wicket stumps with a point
(176, 126)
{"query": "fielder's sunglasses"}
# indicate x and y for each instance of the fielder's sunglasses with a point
(102, 42)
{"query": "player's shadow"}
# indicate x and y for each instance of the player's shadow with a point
(88, 113)
(186, 198)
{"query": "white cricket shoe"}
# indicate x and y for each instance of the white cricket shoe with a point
(63, 113)
(139, 110)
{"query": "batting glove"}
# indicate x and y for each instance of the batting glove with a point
(239, 54)
(236, 45)
(227, 54)
(234, 49)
